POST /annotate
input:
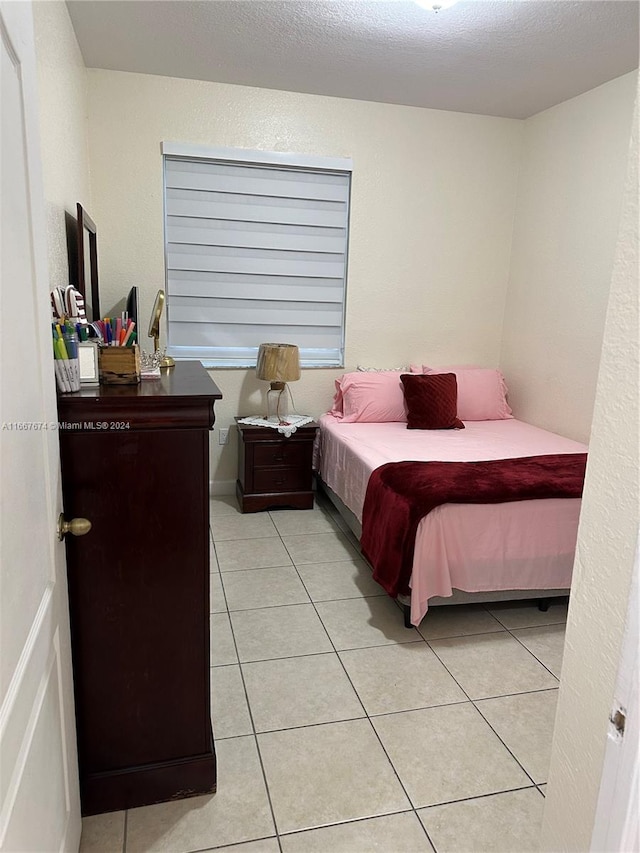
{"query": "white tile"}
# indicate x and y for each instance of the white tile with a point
(242, 554)
(238, 811)
(328, 774)
(457, 620)
(293, 522)
(487, 665)
(223, 505)
(344, 579)
(319, 548)
(359, 622)
(279, 632)
(526, 614)
(229, 711)
(254, 526)
(103, 833)
(217, 603)
(447, 753)
(337, 519)
(213, 560)
(396, 833)
(265, 845)
(503, 823)
(525, 724)
(221, 645)
(299, 691)
(254, 588)
(400, 678)
(546, 643)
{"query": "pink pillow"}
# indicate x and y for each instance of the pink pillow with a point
(369, 398)
(336, 406)
(482, 393)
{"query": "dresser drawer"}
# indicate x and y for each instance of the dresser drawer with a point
(281, 480)
(286, 453)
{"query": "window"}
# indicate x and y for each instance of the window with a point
(255, 251)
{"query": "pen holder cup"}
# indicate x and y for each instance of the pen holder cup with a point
(67, 375)
(119, 365)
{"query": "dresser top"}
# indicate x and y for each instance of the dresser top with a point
(186, 379)
(182, 397)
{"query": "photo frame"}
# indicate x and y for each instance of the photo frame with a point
(87, 243)
(88, 363)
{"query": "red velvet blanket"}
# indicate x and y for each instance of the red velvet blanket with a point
(400, 494)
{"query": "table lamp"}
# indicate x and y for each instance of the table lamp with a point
(278, 364)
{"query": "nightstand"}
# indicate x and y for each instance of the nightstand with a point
(273, 470)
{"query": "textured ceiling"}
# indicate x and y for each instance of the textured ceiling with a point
(504, 58)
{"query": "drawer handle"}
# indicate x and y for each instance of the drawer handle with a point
(280, 457)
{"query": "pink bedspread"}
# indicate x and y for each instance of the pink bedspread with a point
(526, 545)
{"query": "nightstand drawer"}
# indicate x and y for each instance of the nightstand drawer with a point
(281, 479)
(286, 453)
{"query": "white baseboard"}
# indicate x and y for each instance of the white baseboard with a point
(222, 487)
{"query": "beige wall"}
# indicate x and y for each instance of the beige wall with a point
(571, 183)
(62, 84)
(431, 216)
(607, 537)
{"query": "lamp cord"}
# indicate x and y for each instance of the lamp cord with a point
(293, 405)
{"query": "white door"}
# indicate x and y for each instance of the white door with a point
(39, 802)
(617, 821)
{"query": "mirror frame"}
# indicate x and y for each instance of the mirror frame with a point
(86, 223)
(156, 314)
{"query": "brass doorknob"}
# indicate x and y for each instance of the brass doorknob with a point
(76, 527)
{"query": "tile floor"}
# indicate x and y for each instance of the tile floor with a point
(340, 731)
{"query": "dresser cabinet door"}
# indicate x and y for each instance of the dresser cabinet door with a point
(139, 592)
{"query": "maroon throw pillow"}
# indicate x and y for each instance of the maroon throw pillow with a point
(431, 401)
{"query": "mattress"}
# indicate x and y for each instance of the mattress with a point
(470, 547)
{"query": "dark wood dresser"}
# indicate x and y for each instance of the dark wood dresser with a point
(275, 471)
(135, 463)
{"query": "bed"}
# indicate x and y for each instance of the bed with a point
(463, 552)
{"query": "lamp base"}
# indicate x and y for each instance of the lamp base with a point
(277, 402)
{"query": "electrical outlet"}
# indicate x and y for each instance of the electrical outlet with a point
(223, 436)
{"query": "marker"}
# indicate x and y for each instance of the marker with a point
(129, 333)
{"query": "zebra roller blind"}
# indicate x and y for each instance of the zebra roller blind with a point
(256, 251)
